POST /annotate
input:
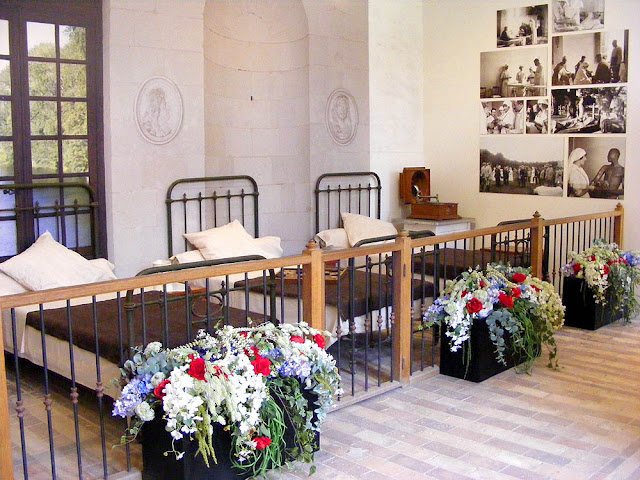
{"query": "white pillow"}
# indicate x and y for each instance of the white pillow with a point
(8, 286)
(232, 240)
(187, 257)
(333, 238)
(361, 227)
(48, 264)
(105, 265)
(269, 245)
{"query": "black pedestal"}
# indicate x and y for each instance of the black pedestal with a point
(156, 441)
(483, 362)
(582, 311)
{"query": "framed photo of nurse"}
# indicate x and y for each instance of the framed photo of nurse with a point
(596, 167)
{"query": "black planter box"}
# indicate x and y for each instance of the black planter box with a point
(156, 441)
(582, 311)
(483, 357)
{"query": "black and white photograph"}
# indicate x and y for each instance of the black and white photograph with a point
(517, 27)
(537, 116)
(596, 167)
(502, 117)
(589, 110)
(523, 166)
(573, 15)
(590, 58)
(514, 72)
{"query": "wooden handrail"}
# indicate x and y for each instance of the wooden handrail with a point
(312, 261)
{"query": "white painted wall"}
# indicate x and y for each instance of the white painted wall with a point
(455, 32)
(338, 59)
(396, 60)
(143, 39)
(256, 107)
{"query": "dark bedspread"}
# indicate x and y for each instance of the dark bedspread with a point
(113, 345)
(371, 292)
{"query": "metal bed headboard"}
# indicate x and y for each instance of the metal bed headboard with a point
(352, 192)
(208, 202)
(69, 211)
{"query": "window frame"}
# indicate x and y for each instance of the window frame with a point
(82, 13)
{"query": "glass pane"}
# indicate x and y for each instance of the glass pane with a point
(5, 119)
(73, 44)
(44, 118)
(4, 37)
(75, 156)
(8, 235)
(42, 79)
(73, 79)
(41, 39)
(5, 77)
(74, 118)
(44, 156)
(6, 159)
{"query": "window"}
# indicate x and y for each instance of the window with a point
(50, 105)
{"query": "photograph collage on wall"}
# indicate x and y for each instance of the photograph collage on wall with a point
(556, 83)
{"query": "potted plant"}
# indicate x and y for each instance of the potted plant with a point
(232, 404)
(493, 319)
(599, 285)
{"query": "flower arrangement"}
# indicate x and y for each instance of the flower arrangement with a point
(510, 301)
(610, 272)
(244, 379)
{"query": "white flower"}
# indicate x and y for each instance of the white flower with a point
(157, 379)
(145, 412)
(152, 348)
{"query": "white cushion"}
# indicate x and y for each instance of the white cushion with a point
(48, 264)
(232, 240)
(187, 257)
(361, 227)
(106, 266)
(8, 286)
(332, 238)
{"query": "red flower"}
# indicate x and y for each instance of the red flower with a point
(244, 334)
(506, 300)
(159, 390)
(464, 293)
(482, 284)
(474, 305)
(261, 365)
(577, 267)
(592, 258)
(296, 339)
(516, 292)
(519, 277)
(535, 288)
(622, 260)
(217, 371)
(606, 269)
(262, 442)
(319, 339)
(197, 368)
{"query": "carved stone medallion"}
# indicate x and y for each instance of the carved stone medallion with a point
(342, 117)
(158, 110)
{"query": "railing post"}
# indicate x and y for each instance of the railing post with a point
(6, 460)
(402, 273)
(618, 226)
(313, 304)
(537, 245)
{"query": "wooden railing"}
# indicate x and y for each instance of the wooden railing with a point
(312, 263)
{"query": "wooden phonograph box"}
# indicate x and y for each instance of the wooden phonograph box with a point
(415, 190)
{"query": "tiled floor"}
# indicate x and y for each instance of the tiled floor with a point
(581, 422)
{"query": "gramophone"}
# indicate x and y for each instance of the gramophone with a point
(415, 190)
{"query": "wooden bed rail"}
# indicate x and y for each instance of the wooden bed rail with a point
(312, 262)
